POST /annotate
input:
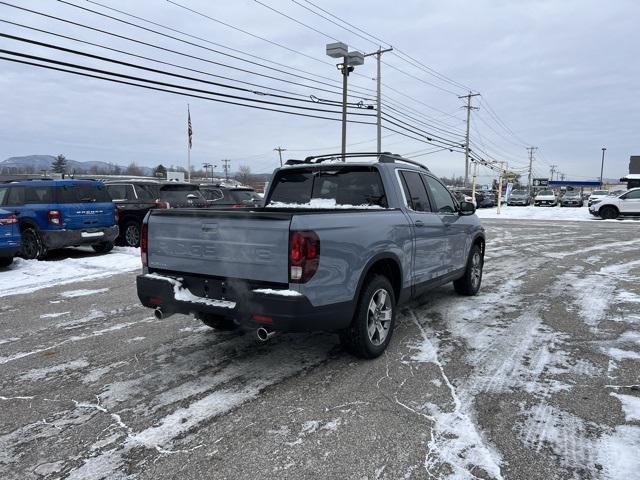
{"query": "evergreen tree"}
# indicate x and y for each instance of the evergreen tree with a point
(59, 164)
(160, 171)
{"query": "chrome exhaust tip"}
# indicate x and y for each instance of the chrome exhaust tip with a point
(263, 334)
(158, 313)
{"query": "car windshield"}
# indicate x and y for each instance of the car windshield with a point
(83, 193)
(600, 192)
(546, 192)
(519, 193)
(572, 194)
(180, 193)
(244, 196)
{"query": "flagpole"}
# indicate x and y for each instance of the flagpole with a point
(189, 146)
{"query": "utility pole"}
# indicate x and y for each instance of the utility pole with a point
(531, 151)
(280, 150)
(503, 173)
(602, 166)
(466, 142)
(562, 176)
(378, 54)
(225, 166)
(554, 169)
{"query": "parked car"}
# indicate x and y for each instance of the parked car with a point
(463, 194)
(337, 247)
(598, 195)
(55, 214)
(519, 197)
(572, 198)
(547, 198)
(9, 236)
(627, 204)
(135, 198)
(485, 199)
(221, 196)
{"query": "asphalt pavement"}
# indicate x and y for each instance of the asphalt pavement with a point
(535, 378)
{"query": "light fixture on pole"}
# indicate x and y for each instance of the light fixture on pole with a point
(602, 166)
(349, 61)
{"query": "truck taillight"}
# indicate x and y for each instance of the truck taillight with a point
(144, 243)
(54, 217)
(304, 255)
(10, 220)
(116, 214)
(161, 204)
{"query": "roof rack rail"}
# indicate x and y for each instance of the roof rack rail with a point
(383, 157)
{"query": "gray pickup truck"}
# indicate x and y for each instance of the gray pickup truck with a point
(336, 247)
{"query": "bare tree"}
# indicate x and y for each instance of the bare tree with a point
(244, 175)
(133, 170)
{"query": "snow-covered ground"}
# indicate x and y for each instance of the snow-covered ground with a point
(545, 213)
(26, 276)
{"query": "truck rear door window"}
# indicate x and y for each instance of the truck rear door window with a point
(417, 200)
(355, 186)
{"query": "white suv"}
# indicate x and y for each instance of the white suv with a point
(598, 195)
(612, 207)
(545, 197)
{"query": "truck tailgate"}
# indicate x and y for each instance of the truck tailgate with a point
(238, 244)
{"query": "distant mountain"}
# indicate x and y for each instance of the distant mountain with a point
(37, 163)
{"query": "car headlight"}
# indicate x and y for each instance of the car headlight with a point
(593, 202)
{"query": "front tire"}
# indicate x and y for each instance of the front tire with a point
(217, 322)
(104, 247)
(608, 213)
(372, 325)
(469, 283)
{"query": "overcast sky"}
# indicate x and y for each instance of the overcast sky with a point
(563, 76)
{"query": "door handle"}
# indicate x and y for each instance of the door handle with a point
(419, 223)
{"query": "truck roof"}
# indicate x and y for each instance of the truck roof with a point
(52, 183)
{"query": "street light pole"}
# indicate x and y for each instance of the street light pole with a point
(349, 61)
(602, 166)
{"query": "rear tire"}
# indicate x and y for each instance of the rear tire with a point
(372, 325)
(608, 213)
(104, 247)
(470, 282)
(5, 261)
(217, 322)
(33, 247)
(131, 234)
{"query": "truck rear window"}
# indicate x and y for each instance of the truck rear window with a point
(355, 186)
(82, 193)
(179, 193)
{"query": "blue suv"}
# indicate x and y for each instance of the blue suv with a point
(61, 213)
(9, 237)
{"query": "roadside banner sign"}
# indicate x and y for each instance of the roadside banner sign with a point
(540, 182)
(508, 191)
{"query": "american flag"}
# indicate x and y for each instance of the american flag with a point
(189, 129)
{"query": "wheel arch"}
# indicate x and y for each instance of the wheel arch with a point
(386, 264)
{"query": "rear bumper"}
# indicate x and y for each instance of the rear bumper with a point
(9, 251)
(249, 309)
(70, 238)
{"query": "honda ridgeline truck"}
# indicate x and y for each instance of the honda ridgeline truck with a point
(336, 247)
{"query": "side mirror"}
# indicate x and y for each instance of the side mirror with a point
(467, 208)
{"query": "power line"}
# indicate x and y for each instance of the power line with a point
(195, 57)
(148, 87)
(162, 72)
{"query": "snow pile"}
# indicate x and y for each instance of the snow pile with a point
(183, 294)
(323, 203)
(26, 276)
(544, 213)
(283, 293)
(630, 406)
(83, 293)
